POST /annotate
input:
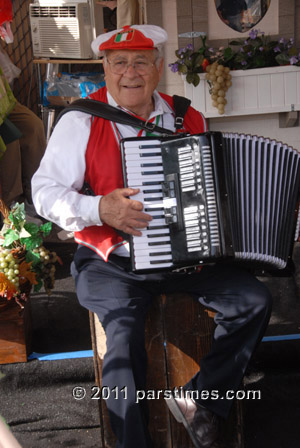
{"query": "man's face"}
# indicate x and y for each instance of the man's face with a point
(132, 90)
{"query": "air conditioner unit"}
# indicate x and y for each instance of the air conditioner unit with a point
(64, 29)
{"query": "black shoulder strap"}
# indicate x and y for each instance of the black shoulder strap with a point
(103, 110)
(111, 113)
(181, 105)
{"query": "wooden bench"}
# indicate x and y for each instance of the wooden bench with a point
(178, 334)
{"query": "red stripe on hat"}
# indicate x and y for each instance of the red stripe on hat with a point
(134, 40)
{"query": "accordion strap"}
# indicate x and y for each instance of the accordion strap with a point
(111, 113)
(181, 105)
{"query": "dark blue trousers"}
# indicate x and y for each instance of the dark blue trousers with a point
(121, 299)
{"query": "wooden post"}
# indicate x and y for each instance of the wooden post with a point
(179, 333)
(15, 332)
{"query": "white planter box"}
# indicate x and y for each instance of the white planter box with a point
(257, 91)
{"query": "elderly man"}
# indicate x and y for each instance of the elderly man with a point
(81, 149)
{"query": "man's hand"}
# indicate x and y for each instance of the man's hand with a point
(119, 211)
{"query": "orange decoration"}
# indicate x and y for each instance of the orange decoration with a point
(26, 274)
(7, 288)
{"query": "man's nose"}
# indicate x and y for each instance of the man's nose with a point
(130, 70)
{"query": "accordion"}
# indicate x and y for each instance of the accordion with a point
(213, 197)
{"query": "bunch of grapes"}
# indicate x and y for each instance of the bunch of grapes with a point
(9, 266)
(47, 267)
(219, 79)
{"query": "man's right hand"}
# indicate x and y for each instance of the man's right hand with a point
(118, 210)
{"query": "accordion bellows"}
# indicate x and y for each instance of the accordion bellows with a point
(213, 197)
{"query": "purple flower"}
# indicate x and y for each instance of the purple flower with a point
(277, 49)
(253, 34)
(244, 63)
(293, 60)
(282, 41)
(242, 50)
(261, 49)
(174, 67)
(181, 50)
(211, 50)
(190, 47)
(249, 53)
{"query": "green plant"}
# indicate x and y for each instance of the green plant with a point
(256, 51)
(24, 261)
(259, 51)
(191, 63)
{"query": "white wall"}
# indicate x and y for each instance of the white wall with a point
(266, 125)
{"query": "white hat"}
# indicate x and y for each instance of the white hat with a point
(134, 37)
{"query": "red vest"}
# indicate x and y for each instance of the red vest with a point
(104, 171)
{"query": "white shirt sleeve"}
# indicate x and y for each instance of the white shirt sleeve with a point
(56, 183)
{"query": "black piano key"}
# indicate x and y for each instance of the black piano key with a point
(158, 216)
(152, 191)
(149, 183)
(154, 145)
(158, 254)
(151, 173)
(158, 235)
(143, 165)
(157, 209)
(150, 154)
(160, 261)
(159, 198)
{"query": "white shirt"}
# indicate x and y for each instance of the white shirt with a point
(58, 180)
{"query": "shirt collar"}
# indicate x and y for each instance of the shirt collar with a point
(160, 106)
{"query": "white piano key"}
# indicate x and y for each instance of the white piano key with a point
(154, 249)
(145, 245)
(150, 232)
(138, 151)
(133, 161)
(138, 240)
(137, 177)
(155, 213)
(147, 189)
(147, 265)
(159, 258)
(157, 206)
(157, 222)
(139, 143)
(148, 196)
(142, 169)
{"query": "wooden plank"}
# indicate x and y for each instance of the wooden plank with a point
(108, 439)
(178, 332)
(67, 61)
(188, 332)
(15, 332)
(159, 419)
(189, 329)
(159, 425)
(98, 372)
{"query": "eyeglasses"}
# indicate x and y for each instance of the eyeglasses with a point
(121, 67)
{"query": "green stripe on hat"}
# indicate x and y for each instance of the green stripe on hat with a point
(118, 37)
